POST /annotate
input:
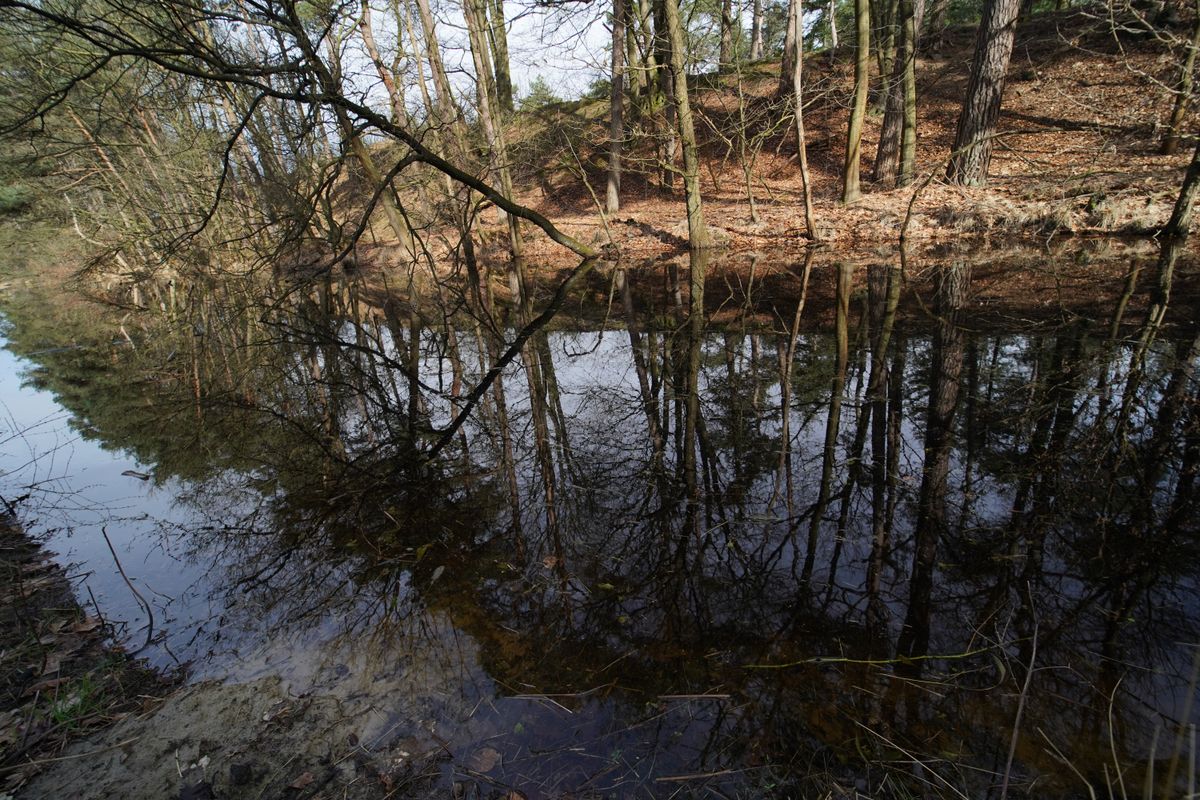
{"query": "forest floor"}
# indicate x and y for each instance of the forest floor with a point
(1077, 153)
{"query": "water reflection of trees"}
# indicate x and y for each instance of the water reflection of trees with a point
(909, 509)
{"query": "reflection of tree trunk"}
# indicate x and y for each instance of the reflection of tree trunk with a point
(787, 358)
(833, 420)
(649, 401)
(554, 400)
(877, 396)
(698, 263)
(947, 359)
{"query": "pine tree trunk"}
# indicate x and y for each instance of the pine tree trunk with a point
(862, 66)
(972, 151)
(616, 123)
(725, 57)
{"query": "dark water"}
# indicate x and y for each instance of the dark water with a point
(761, 551)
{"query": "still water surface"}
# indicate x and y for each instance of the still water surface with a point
(663, 553)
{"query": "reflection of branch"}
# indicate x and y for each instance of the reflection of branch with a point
(560, 294)
(136, 593)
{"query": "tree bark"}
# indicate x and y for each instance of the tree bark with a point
(862, 67)
(895, 160)
(616, 121)
(1183, 91)
(725, 57)
(1180, 223)
(498, 37)
(787, 66)
(395, 95)
(756, 32)
(972, 152)
(796, 13)
(473, 11)
(698, 236)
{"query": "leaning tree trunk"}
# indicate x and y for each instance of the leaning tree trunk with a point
(1183, 91)
(972, 150)
(858, 114)
(697, 231)
(616, 122)
(1180, 223)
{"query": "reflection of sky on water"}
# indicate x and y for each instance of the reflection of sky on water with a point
(414, 649)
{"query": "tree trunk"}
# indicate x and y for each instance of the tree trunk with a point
(862, 67)
(697, 231)
(375, 178)
(725, 57)
(492, 129)
(447, 112)
(796, 13)
(895, 158)
(756, 32)
(498, 37)
(787, 66)
(616, 121)
(1183, 92)
(833, 34)
(395, 94)
(972, 150)
(1180, 223)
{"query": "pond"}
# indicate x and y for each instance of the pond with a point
(873, 522)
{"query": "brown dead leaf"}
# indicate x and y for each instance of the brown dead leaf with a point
(86, 625)
(304, 780)
(485, 759)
